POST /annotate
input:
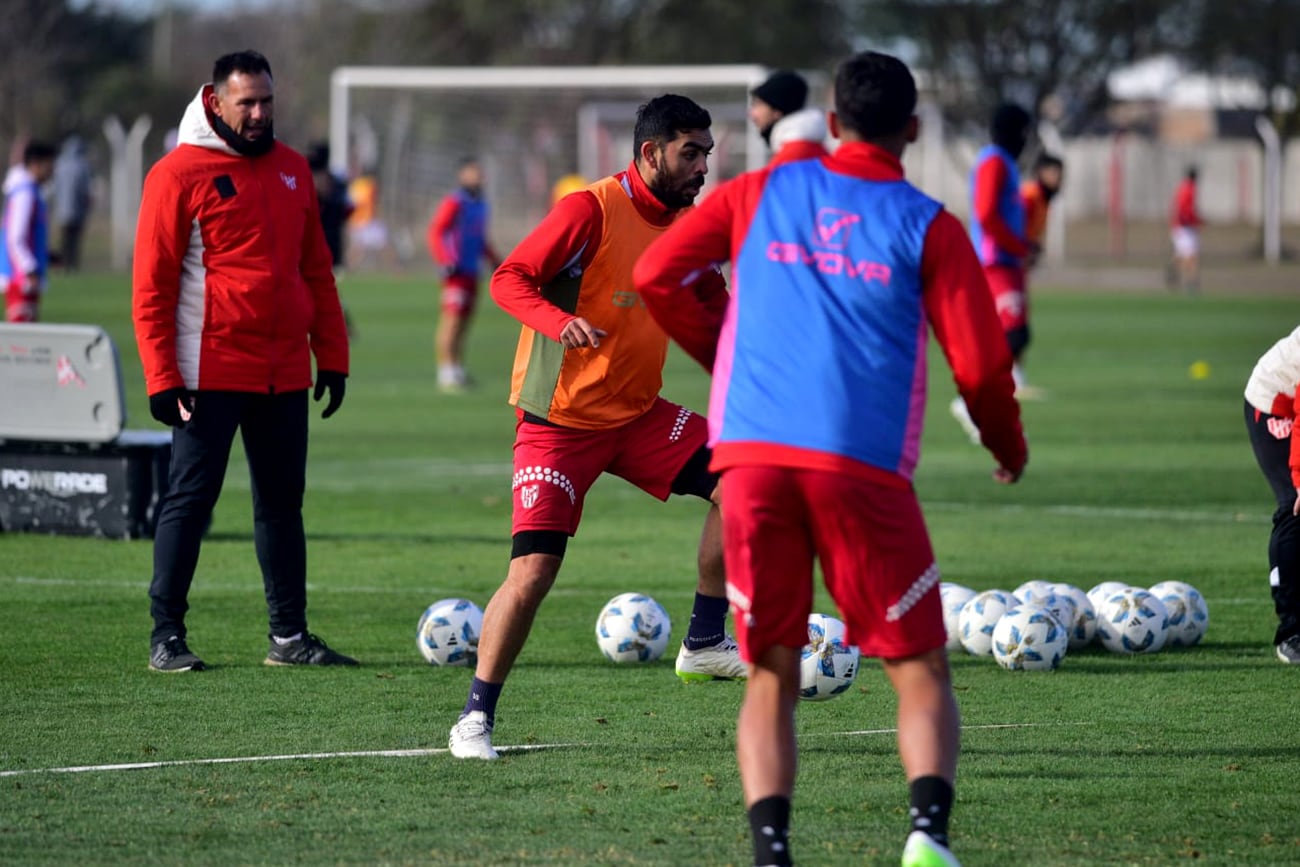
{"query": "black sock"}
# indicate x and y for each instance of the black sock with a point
(931, 804)
(769, 819)
(708, 623)
(483, 696)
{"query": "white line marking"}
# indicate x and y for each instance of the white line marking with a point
(963, 728)
(351, 754)
(1067, 510)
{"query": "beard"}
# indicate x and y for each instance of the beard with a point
(675, 195)
(243, 146)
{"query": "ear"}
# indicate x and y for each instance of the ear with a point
(913, 129)
(213, 102)
(833, 124)
(649, 154)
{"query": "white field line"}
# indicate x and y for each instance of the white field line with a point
(1108, 513)
(421, 753)
(255, 586)
(349, 754)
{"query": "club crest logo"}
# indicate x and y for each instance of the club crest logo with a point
(832, 228)
(1280, 428)
(67, 374)
(528, 496)
(289, 181)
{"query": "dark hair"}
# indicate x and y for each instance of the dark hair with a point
(1009, 125)
(1048, 161)
(1192, 172)
(35, 151)
(467, 161)
(664, 118)
(318, 156)
(248, 62)
(875, 95)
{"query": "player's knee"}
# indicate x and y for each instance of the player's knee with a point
(695, 478)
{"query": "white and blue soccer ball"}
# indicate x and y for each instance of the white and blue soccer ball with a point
(1189, 616)
(1033, 590)
(978, 618)
(1103, 591)
(953, 597)
(828, 665)
(1030, 638)
(1084, 628)
(632, 627)
(1132, 620)
(448, 632)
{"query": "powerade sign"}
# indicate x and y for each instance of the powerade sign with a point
(56, 482)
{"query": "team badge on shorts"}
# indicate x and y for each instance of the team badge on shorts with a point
(528, 496)
(1280, 428)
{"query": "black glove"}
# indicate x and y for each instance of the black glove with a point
(337, 383)
(165, 406)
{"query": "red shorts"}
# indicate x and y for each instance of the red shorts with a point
(1009, 296)
(556, 466)
(872, 544)
(459, 293)
(22, 298)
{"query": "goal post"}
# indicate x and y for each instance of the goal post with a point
(529, 126)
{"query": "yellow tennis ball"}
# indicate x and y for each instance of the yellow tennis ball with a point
(1199, 370)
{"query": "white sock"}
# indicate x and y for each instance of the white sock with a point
(290, 640)
(1018, 375)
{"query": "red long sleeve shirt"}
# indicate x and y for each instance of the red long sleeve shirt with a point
(990, 179)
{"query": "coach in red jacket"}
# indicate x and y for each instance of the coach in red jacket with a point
(233, 294)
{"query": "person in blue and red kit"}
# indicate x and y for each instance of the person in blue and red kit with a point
(839, 270)
(459, 243)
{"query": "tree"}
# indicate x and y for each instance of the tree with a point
(982, 52)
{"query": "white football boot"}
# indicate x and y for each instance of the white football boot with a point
(719, 662)
(922, 850)
(471, 738)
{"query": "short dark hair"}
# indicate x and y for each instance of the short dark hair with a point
(1048, 161)
(875, 95)
(249, 62)
(36, 151)
(664, 118)
(1009, 123)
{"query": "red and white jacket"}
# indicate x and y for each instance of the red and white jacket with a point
(1274, 389)
(233, 287)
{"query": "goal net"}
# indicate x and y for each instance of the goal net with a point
(530, 128)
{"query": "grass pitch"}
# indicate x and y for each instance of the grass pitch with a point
(1138, 472)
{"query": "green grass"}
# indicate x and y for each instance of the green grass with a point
(1137, 473)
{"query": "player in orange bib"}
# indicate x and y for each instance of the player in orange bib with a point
(587, 375)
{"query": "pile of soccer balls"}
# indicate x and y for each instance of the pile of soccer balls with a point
(1033, 627)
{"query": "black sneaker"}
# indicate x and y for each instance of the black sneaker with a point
(172, 655)
(308, 650)
(1289, 651)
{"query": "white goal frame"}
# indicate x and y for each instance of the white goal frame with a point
(345, 79)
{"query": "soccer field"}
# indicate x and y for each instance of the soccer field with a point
(1138, 473)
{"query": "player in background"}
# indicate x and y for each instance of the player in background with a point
(458, 242)
(778, 110)
(815, 416)
(997, 229)
(1272, 403)
(335, 208)
(1036, 195)
(25, 226)
(587, 375)
(1184, 270)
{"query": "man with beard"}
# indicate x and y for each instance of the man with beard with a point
(233, 295)
(587, 375)
(459, 243)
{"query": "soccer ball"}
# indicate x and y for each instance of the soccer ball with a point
(1029, 638)
(632, 627)
(1103, 591)
(1084, 628)
(953, 597)
(827, 664)
(1188, 614)
(1059, 605)
(979, 616)
(448, 632)
(1032, 591)
(1132, 620)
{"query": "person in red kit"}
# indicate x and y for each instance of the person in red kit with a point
(233, 294)
(1184, 233)
(587, 376)
(458, 242)
(840, 269)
